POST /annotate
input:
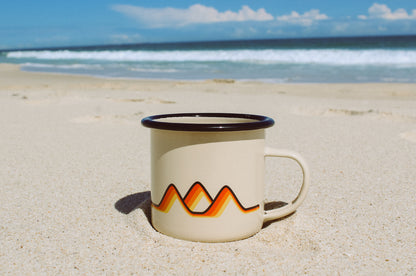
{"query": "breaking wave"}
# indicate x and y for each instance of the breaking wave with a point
(397, 57)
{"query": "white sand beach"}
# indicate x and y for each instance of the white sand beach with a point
(75, 177)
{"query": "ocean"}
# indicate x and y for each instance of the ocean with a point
(312, 60)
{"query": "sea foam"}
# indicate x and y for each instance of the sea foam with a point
(264, 56)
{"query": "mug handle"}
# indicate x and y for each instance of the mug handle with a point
(292, 206)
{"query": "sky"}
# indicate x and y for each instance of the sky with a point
(58, 23)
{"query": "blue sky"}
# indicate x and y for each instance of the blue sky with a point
(54, 23)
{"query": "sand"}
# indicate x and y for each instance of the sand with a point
(75, 177)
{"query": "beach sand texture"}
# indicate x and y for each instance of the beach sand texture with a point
(75, 177)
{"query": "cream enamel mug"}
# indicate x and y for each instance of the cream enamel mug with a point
(207, 175)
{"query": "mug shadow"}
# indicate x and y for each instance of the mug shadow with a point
(142, 200)
(274, 205)
(129, 203)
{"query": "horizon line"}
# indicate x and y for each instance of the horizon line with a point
(126, 45)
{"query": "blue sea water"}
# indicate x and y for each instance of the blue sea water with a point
(333, 60)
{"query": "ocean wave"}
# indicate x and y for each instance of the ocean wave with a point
(265, 56)
(153, 70)
(62, 66)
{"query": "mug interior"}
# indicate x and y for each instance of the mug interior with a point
(207, 122)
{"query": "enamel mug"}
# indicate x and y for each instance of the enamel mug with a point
(207, 175)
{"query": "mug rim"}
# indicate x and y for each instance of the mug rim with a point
(259, 122)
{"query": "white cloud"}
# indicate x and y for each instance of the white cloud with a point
(173, 17)
(306, 19)
(382, 11)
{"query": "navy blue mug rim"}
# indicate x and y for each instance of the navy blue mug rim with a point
(257, 122)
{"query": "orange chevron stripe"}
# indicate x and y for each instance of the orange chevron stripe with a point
(194, 195)
(220, 203)
(170, 196)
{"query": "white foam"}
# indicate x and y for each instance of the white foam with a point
(62, 66)
(403, 58)
(153, 70)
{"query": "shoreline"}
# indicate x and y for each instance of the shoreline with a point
(225, 80)
(341, 90)
(75, 177)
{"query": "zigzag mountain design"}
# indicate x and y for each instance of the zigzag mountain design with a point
(195, 194)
